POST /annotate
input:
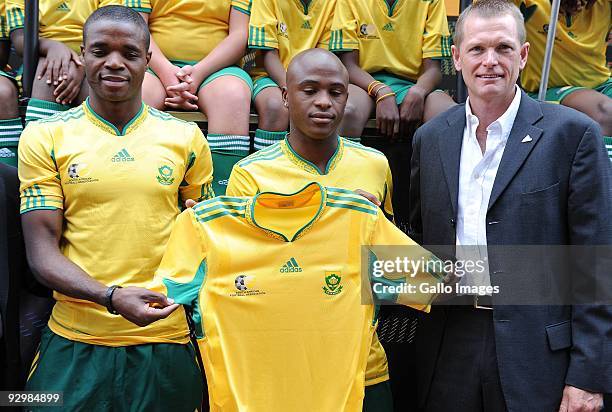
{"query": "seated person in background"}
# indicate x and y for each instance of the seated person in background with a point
(579, 76)
(313, 151)
(390, 49)
(282, 29)
(196, 47)
(58, 83)
(10, 122)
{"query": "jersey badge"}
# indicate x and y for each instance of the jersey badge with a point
(332, 283)
(165, 175)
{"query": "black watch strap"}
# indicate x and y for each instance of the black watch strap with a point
(109, 299)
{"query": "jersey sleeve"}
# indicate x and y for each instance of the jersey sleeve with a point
(241, 183)
(387, 244)
(436, 38)
(142, 6)
(343, 36)
(263, 26)
(182, 271)
(197, 182)
(38, 173)
(326, 35)
(243, 6)
(14, 14)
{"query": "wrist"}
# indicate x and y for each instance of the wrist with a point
(419, 91)
(110, 292)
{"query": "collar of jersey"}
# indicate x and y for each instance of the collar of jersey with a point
(309, 166)
(391, 10)
(250, 212)
(108, 127)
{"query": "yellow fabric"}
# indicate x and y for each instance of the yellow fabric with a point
(290, 27)
(60, 20)
(393, 39)
(279, 169)
(119, 193)
(188, 30)
(4, 30)
(579, 54)
(277, 290)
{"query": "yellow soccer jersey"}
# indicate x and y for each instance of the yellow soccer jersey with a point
(354, 166)
(579, 55)
(392, 39)
(119, 192)
(275, 283)
(4, 30)
(290, 26)
(60, 20)
(279, 168)
(188, 30)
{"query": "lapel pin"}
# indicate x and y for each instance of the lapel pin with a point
(526, 139)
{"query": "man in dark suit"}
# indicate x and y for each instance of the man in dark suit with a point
(504, 169)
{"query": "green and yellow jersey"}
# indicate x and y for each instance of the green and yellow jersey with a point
(119, 192)
(279, 168)
(277, 293)
(290, 26)
(4, 29)
(394, 39)
(188, 30)
(579, 54)
(60, 20)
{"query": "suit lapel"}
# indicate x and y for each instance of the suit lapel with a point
(517, 149)
(449, 142)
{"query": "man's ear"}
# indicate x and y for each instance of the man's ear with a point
(456, 60)
(524, 55)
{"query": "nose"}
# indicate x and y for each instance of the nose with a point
(323, 100)
(490, 58)
(114, 61)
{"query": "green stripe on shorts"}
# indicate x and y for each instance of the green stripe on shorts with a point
(262, 83)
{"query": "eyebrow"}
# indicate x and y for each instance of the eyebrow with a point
(307, 82)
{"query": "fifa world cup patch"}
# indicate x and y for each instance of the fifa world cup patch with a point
(246, 285)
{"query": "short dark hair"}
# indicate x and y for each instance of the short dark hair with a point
(490, 9)
(119, 14)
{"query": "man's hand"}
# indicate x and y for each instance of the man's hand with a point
(189, 203)
(134, 304)
(179, 90)
(69, 88)
(387, 114)
(578, 400)
(57, 61)
(411, 111)
(368, 196)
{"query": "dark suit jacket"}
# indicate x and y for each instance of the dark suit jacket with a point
(554, 190)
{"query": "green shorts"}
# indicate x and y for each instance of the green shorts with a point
(557, 94)
(15, 76)
(227, 71)
(151, 377)
(399, 86)
(8, 153)
(378, 398)
(262, 83)
(608, 143)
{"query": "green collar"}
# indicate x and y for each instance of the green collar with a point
(250, 212)
(108, 127)
(309, 166)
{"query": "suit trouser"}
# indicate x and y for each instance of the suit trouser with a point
(466, 377)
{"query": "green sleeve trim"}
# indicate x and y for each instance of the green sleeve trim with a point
(24, 211)
(262, 47)
(142, 10)
(240, 9)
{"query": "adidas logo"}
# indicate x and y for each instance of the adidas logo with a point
(306, 25)
(6, 153)
(290, 267)
(122, 156)
(63, 7)
(388, 27)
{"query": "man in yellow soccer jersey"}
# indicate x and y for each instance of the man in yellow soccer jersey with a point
(282, 29)
(391, 49)
(59, 81)
(10, 122)
(316, 93)
(100, 188)
(196, 47)
(579, 74)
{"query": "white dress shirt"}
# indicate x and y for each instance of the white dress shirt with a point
(477, 171)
